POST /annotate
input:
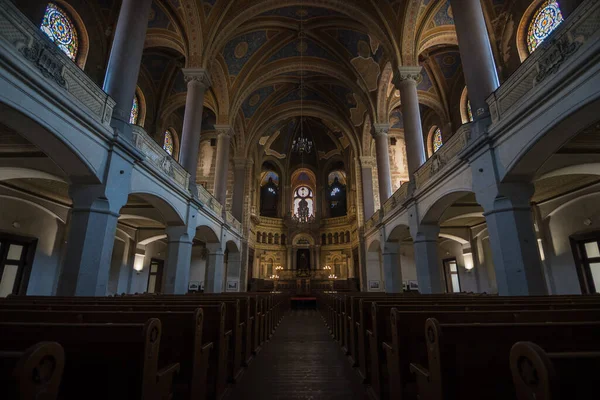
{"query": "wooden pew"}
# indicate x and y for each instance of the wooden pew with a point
(181, 341)
(32, 374)
(398, 340)
(552, 376)
(470, 361)
(116, 361)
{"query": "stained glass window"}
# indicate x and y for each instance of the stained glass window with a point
(545, 20)
(437, 140)
(303, 203)
(469, 112)
(135, 111)
(60, 29)
(168, 143)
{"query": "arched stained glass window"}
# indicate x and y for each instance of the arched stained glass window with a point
(61, 30)
(303, 204)
(168, 142)
(544, 21)
(437, 140)
(135, 111)
(469, 112)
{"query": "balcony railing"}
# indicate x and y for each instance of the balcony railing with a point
(209, 200)
(28, 43)
(579, 30)
(329, 222)
(159, 158)
(234, 223)
(444, 157)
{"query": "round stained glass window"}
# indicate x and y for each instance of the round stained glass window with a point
(58, 26)
(544, 21)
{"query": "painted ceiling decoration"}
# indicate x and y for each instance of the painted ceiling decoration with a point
(350, 49)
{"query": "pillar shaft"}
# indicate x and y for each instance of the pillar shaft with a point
(426, 260)
(198, 81)
(513, 241)
(392, 273)
(179, 257)
(240, 173)
(406, 82)
(215, 270)
(222, 163)
(384, 175)
(126, 56)
(366, 171)
(476, 54)
(234, 267)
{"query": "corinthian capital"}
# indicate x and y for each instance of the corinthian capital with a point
(367, 161)
(407, 73)
(225, 130)
(197, 75)
(380, 130)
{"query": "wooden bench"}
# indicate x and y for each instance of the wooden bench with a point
(116, 361)
(471, 361)
(32, 374)
(552, 376)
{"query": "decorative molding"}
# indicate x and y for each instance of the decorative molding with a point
(380, 130)
(407, 73)
(197, 75)
(225, 130)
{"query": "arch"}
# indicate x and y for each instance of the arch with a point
(528, 18)
(579, 169)
(399, 232)
(7, 173)
(453, 238)
(304, 237)
(152, 239)
(434, 140)
(168, 211)
(57, 141)
(171, 142)
(34, 204)
(437, 208)
(75, 46)
(571, 201)
(206, 234)
(232, 247)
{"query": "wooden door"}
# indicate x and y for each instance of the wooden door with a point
(155, 277)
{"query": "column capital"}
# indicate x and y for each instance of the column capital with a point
(197, 75)
(367, 161)
(225, 130)
(380, 130)
(407, 73)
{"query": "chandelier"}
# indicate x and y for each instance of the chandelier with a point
(301, 144)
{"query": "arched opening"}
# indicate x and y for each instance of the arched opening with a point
(269, 191)
(63, 25)
(540, 19)
(336, 193)
(434, 140)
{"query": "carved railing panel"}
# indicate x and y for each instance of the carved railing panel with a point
(209, 200)
(444, 156)
(18, 35)
(335, 221)
(159, 158)
(397, 198)
(580, 28)
(234, 223)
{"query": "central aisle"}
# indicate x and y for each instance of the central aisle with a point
(300, 362)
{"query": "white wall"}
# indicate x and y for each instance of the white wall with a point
(567, 218)
(452, 249)
(198, 265)
(139, 281)
(50, 232)
(374, 270)
(407, 262)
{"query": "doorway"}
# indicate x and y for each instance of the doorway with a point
(155, 277)
(451, 274)
(16, 259)
(586, 251)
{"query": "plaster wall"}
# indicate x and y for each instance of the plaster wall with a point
(50, 232)
(139, 281)
(197, 265)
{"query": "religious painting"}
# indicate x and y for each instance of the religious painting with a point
(194, 286)
(374, 285)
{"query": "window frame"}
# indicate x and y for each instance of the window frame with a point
(584, 273)
(24, 265)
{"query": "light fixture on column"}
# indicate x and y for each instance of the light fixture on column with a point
(468, 257)
(541, 249)
(327, 268)
(138, 263)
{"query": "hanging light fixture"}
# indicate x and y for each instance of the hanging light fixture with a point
(301, 144)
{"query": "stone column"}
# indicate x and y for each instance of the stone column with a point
(509, 219)
(215, 269)
(125, 59)
(366, 169)
(225, 133)
(392, 272)
(384, 175)
(240, 169)
(426, 259)
(294, 258)
(256, 270)
(92, 228)
(405, 81)
(234, 268)
(179, 257)
(33, 9)
(198, 80)
(475, 53)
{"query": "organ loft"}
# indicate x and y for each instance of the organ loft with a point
(299, 199)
